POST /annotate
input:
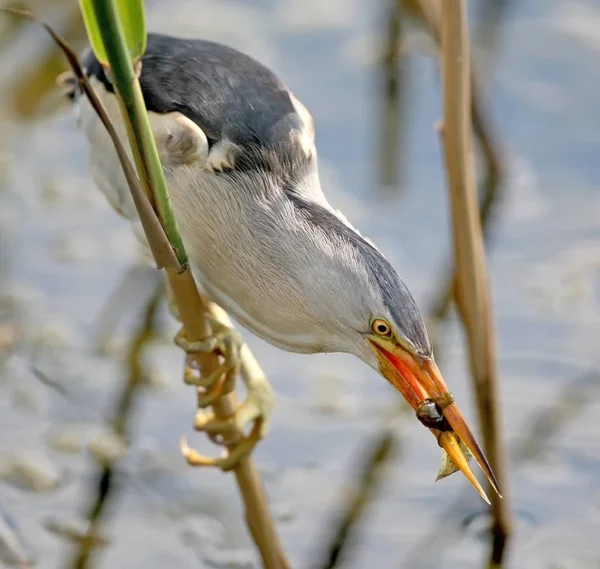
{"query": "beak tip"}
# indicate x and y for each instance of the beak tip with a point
(456, 451)
(452, 414)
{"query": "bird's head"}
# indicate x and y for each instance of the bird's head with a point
(412, 370)
(377, 319)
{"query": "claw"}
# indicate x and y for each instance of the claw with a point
(253, 411)
(195, 346)
(226, 341)
(220, 381)
(193, 375)
(231, 456)
(207, 422)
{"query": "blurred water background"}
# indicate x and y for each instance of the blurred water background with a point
(63, 252)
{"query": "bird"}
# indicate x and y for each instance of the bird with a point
(240, 160)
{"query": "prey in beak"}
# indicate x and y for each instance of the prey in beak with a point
(422, 385)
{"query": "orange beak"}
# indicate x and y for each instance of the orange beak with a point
(423, 386)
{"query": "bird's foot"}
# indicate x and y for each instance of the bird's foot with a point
(239, 447)
(225, 342)
(230, 432)
(255, 410)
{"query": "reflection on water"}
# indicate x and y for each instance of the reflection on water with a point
(62, 252)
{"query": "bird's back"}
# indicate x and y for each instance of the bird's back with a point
(228, 94)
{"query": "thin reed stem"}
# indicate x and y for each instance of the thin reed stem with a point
(472, 285)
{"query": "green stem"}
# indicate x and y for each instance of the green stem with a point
(128, 86)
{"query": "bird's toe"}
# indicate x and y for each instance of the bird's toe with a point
(238, 446)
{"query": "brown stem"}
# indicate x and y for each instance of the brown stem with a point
(428, 11)
(191, 310)
(472, 289)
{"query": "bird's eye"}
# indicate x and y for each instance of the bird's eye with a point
(381, 327)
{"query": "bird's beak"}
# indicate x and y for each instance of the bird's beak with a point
(421, 381)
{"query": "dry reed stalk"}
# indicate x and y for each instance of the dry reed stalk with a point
(192, 310)
(429, 12)
(472, 286)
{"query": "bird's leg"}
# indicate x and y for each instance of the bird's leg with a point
(228, 344)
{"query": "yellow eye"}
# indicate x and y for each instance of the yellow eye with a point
(381, 327)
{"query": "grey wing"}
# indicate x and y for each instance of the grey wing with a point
(241, 106)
